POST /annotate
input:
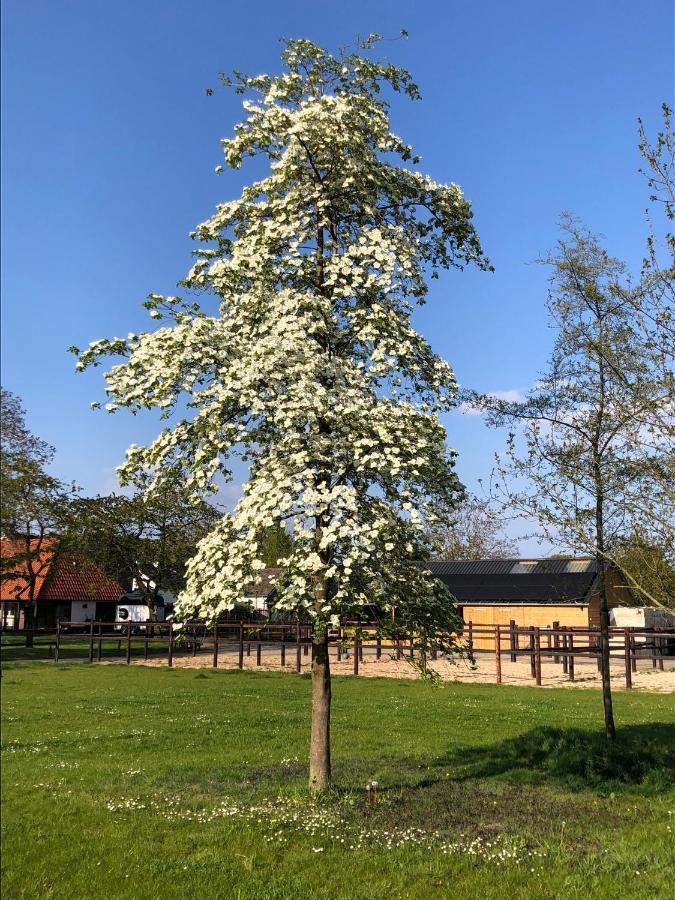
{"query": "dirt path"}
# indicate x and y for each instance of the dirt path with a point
(586, 673)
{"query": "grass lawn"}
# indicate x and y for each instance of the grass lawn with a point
(74, 649)
(139, 782)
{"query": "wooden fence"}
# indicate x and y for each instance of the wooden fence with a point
(563, 646)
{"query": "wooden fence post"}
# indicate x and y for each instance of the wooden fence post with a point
(662, 647)
(194, 640)
(58, 641)
(513, 640)
(283, 652)
(258, 652)
(533, 661)
(241, 645)
(626, 643)
(570, 665)
(100, 643)
(470, 636)
(298, 649)
(498, 653)
(556, 642)
(633, 653)
(399, 651)
(91, 640)
(215, 646)
(537, 658)
(170, 643)
(128, 642)
(356, 655)
(145, 645)
(565, 657)
(378, 652)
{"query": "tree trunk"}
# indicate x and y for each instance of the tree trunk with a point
(610, 729)
(319, 746)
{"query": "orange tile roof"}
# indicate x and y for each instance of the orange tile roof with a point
(73, 578)
(63, 576)
(17, 588)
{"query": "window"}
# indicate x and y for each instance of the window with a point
(579, 565)
(524, 567)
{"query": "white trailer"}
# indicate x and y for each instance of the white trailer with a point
(133, 608)
(641, 617)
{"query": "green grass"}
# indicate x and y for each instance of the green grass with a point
(75, 648)
(519, 771)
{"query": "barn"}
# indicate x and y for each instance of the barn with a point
(529, 592)
(64, 586)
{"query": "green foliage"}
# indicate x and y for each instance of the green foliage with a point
(148, 536)
(276, 543)
(37, 508)
(648, 569)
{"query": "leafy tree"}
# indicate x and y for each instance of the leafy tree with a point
(476, 532)
(654, 313)
(16, 439)
(148, 536)
(310, 367)
(276, 544)
(648, 568)
(36, 507)
(576, 462)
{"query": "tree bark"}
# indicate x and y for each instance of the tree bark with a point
(610, 728)
(599, 481)
(319, 746)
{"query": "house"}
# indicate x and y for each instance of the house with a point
(64, 586)
(530, 592)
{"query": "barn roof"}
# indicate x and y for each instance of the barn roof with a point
(515, 581)
(71, 577)
(60, 576)
(15, 587)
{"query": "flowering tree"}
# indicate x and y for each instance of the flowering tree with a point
(310, 369)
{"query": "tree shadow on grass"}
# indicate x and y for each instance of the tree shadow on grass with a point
(641, 755)
(528, 784)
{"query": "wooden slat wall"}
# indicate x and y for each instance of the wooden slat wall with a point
(525, 616)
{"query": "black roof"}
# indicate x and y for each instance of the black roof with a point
(490, 581)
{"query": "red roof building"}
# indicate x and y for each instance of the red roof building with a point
(65, 585)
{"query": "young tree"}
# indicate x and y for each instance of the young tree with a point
(149, 536)
(654, 315)
(576, 464)
(476, 532)
(311, 366)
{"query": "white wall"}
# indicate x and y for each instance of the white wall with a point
(81, 611)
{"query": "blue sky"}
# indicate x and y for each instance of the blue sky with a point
(109, 145)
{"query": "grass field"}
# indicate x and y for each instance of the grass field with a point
(136, 782)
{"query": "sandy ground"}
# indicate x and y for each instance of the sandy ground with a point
(552, 675)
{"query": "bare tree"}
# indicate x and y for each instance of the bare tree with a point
(577, 461)
(476, 532)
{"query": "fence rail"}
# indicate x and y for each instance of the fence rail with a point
(562, 645)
